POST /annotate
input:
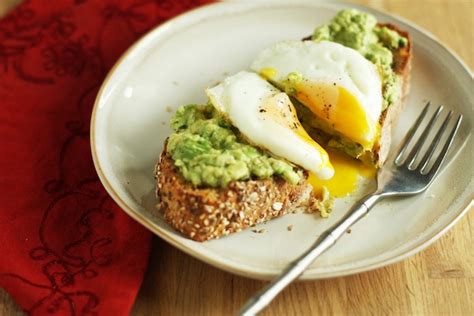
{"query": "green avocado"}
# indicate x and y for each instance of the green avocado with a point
(359, 30)
(208, 151)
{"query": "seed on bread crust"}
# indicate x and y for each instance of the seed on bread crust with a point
(277, 206)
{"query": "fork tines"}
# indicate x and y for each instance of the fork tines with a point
(411, 159)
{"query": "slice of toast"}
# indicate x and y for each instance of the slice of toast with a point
(206, 213)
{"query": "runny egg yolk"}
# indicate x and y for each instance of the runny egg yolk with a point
(282, 111)
(339, 109)
(268, 72)
(347, 171)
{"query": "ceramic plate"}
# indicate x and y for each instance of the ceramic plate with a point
(174, 63)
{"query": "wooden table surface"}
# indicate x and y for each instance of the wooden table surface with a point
(438, 281)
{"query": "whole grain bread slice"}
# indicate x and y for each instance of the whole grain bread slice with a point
(206, 213)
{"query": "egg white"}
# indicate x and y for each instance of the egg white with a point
(266, 117)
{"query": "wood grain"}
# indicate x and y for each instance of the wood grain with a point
(438, 281)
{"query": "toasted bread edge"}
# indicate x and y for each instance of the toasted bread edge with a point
(208, 213)
(389, 118)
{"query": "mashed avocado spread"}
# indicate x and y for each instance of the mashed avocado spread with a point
(208, 151)
(359, 31)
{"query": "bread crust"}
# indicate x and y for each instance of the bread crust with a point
(389, 117)
(207, 213)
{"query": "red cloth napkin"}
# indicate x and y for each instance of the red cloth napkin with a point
(65, 247)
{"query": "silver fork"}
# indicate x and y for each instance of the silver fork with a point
(401, 177)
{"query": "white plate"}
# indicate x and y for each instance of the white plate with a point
(174, 63)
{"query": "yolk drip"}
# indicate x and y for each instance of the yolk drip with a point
(346, 173)
(268, 73)
(301, 132)
(340, 109)
(282, 111)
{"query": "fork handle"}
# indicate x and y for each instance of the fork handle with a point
(296, 267)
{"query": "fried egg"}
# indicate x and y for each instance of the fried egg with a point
(267, 119)
(338, 85)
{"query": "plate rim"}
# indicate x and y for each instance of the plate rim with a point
(219, 261)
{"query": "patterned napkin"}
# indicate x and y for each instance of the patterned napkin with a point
(65, 247)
